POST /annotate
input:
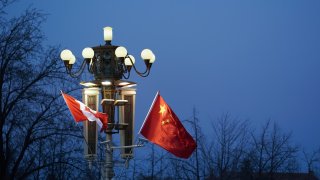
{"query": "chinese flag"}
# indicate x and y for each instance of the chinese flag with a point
(164, 128)
(81, 112)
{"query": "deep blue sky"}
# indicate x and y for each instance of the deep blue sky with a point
(254, 59)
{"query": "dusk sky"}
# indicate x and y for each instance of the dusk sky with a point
(255, 59)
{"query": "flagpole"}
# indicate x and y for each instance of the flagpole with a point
(149, 111)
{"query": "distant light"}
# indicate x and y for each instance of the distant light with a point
(106, 83)
(123, 83)
(88, 84)
(130, 85)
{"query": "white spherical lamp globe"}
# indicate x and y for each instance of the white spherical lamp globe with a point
(66, 55)
(121, 52)
(153, 58)
(72, 60)
(87, 53)
(146, 54)
(127, 61)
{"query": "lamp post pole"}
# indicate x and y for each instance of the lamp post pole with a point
(109, 158)
(109, 93)
(108, 64)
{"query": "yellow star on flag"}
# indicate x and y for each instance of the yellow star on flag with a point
(167, 121)
(163, 109)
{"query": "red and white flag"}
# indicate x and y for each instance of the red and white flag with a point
(164, 128)
(81, 112)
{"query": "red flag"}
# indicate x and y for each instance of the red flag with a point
(81, 112)
(164, 128)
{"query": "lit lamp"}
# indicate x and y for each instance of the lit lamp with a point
(107, 35)
(109, 64)
(121, 52)
(129, 61)
(148, 57)
(66, 56)
(87, 54)
(108, 61)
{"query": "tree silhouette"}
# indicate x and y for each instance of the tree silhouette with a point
(272, 150)
(33, 124)
(230, 140)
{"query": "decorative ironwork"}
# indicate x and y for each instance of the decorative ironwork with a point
(104, 62)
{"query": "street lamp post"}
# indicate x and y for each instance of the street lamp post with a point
(109, 64)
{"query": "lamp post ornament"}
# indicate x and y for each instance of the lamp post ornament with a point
(111, 65)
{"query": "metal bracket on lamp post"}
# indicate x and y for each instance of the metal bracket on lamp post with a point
(124, 147)
(109, 149)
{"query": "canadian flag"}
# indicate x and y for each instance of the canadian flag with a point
(81, 112)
